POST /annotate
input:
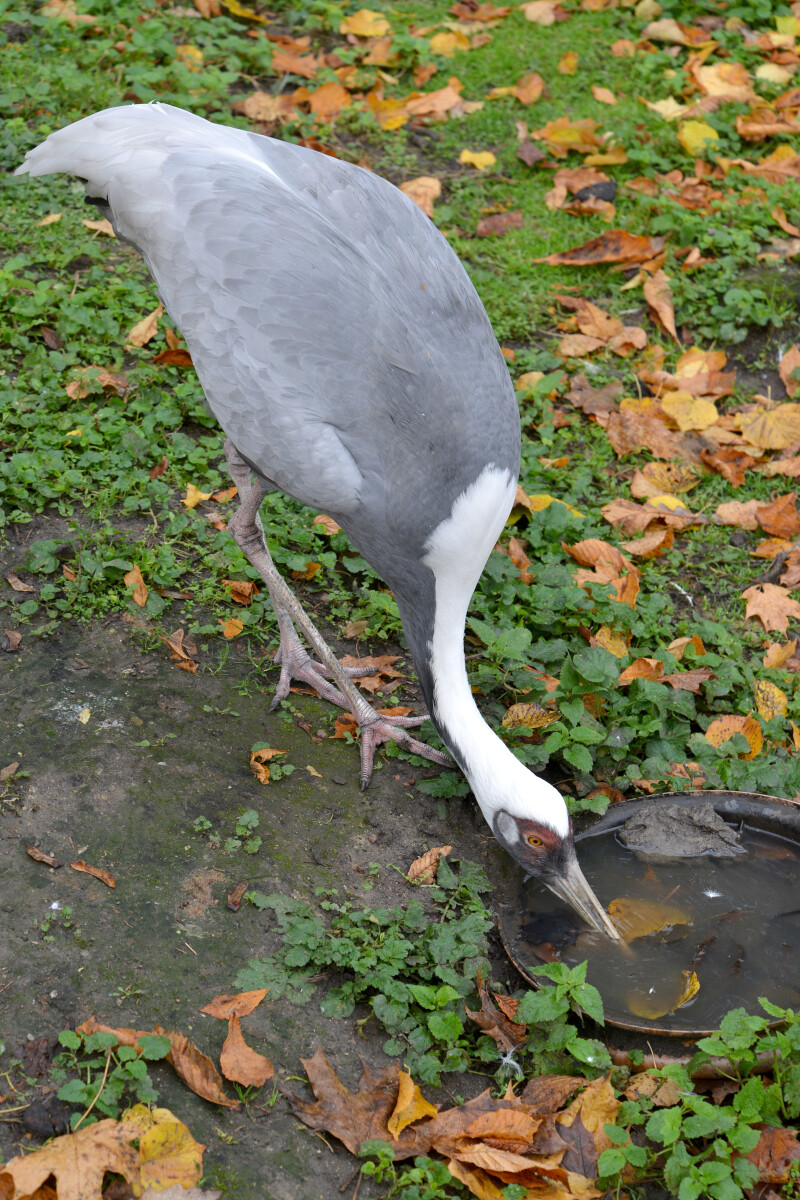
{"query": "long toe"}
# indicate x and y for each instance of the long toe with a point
(384, 729)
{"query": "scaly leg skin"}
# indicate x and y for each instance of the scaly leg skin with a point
(246, 528)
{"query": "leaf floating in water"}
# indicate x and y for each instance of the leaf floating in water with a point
(657, 1003)
(636, 918)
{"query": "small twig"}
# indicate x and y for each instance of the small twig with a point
(99, 1092)
(357, 1187)
(188, 947)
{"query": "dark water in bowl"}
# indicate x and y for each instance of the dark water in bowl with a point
(735, 923)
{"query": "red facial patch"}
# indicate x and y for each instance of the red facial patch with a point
(548, 838)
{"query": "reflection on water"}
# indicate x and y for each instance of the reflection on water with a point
(734, 924)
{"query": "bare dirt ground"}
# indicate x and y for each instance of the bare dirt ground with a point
(162, 943)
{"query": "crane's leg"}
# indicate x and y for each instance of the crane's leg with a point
(246, 528)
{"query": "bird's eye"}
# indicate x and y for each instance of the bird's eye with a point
(533, 840)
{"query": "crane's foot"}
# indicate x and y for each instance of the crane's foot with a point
(328, 677)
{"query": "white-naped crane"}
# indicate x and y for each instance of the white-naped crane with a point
(348, 358)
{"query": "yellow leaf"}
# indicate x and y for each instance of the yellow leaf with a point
(313, 771)
(50, 219)
(194, 496)
(424, 191)
(772, 428)
(777, 654)
(529, 716)
(540, 501)
(669, 109)
(770, 700)
(481, 159)
(411, 1106)
(84, 715)
(635, 918)
(190, 56)
(528, 381)
(568, 63)
(696, 136)
(772, 73)
(448, 44)
(652, 1006)
(687, 412)
(365, 23)
(610, 639)
(170, 1155)
(146, 329)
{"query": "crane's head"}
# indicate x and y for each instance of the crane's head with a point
(529, 818)
(550, 856)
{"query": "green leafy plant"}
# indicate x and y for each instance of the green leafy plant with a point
(102, 1078)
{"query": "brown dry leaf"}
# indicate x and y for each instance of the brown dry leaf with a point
(541, 12)
(258, 761)
(777, 1149)
(644, 1004)
(499, 224)
(423, 869)
(411, 1106)
(529, 88)
(88, 379)
(780, 519)
(592, 551)
(665, 478)
(326, 101)
(730, 462)
(17, 584)
(480, 159)
(231, 628)
(365, 24)
(772, 428)
(722, 729)
(568, 63)
(772, 605)
(770, 700)
(615, 246)
(239, 1005)
(352, 1117)
(642, 668)
(658, 295)
(778, 654)
(37, 855)
(288, 61)
(50, 219)
(239, 1062)
(788, 365)
(744, 514)
(652, 545)
(582, 1125)
(603, 94)
(635, 918)
(679, 646)
(689, 681)
(782, 466)
(266, 108)
(174, 358)
(145, 330)
(424, 191)
(195, 1068)
(497, 1024)
(95, 872)
(137, 586)
(520, 559)
(328, 524)
(242, 591)
(380, 663)
(630, 431)
(664, 1093)
(345, 725)
(78, 1161)
(592, 400)
(14, 638)
(529, 715)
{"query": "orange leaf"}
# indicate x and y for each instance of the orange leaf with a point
(642, 668)
(772, 605)
(658, 295)
(615, 246)
(240, 1005)
(231, 628)
(780, 518)
(723, 728)
(145, 330)
(424, 869)
(258, 761)
(133, 580)
(240, 590)
(424, 191)
(95, 872)
(239, 1062)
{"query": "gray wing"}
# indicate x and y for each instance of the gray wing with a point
(339, 341)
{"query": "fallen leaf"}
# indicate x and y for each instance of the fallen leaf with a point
(678, 647)
(529, 715)
(411, 1106)
(49, 860)
(480, 159)
(540, 12)
(328, 524)
(789, 364)
(159, 469)
(612, 640)
(687, 411)
(568, 63)
(136, 585)
(730, 462)
(496, 1023)
(423, 869)
(14, 638)
(239, 1062)
(17, 584)
(499, 224)
(365, 24)
(689, 681)
(782, 466)
(92, 379)
(231, 628)
(424, 191)
(103, 226)
(50, 219)
(194, 496)
(776, 1150)
(78, 1161)
(696, 137)
(603, 94)
(96, 872)
(637, 917)
(772, 428)
(772, 605)
(770, 700)
(242, 591)
(657, 1004)
(723, 728)
(780, 519)
(239, 1005)
(744, 514)
(169, 1155)
(642, 668)
(615, 246)
(352, 1117)
(658, 294)
(563, 136)
(145, 330)
(652, 545)
(195, 1068)
(259, 759)
(778, 654)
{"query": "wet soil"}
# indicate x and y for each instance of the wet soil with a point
(162, 943)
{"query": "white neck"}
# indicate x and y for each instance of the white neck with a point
(456, 553)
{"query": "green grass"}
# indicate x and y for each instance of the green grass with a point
(88, 461)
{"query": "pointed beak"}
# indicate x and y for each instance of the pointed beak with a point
(570, 885)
